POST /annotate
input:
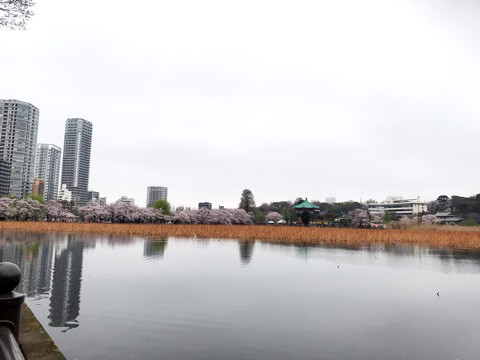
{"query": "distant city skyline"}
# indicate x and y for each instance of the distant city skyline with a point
(348, 100)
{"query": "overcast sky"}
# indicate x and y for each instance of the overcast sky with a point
(351, 99)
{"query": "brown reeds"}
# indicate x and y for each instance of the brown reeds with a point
(440, 236)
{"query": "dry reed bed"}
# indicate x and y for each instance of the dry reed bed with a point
(434, 236)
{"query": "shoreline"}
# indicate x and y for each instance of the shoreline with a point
(439, 237)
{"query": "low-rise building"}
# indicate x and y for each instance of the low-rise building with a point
(447, 217)
(126, 200)
(398, 207)
(93, 196)
(64, 194)
(38, 187)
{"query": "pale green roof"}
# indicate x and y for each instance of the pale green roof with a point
(306, 205)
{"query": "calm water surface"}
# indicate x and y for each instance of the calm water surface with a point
(140, 298)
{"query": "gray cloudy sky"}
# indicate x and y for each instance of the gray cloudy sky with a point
(344, 98)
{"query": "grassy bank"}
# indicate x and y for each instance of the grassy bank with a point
(450, 237)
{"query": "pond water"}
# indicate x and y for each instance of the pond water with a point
(141, 298)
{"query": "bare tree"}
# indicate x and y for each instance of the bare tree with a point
(15, 13)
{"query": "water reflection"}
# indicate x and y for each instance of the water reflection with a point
(246, 251)
(67, 282)
(52, 264)
(115, 240)
(34, 257)
(154, 249)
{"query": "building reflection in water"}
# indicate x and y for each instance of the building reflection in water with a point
(51, 264)
(66, 283)
(246, 251)
(34, 257)
(154, 249)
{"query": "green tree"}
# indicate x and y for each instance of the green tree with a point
(289, 215)
(305, 216)
(70, 206)
(39, 198)
(258, 216)
(247, 202)
(387, 217)
(443, 203)
(163, 205)
(297, 201)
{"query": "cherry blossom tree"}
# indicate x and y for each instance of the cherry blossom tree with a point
(7, 208)
(206, 216)
(15, 13)
(274, 216)
(405, 221)
(28, 209)
(360, 218)
(426, 219)
(377, 218)
(54, 211)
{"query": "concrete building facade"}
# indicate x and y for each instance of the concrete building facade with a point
(5, 168)
(94, 196)
(18, 142)
(38, 187)
(155, 193)
(126, 200)
(398, 207)
(47, 168)
(205, 205)
(64, 194)
(76, 158)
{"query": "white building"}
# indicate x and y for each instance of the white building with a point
(395, 205)
(64, 194)
(155, 193)
(126, 200)
(330, 200)
(47, 168)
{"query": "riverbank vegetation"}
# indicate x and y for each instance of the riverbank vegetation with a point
(432, 236)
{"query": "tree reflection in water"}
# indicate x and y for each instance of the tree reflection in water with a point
(246, 251)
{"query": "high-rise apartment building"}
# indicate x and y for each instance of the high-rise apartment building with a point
(76, 158)
(155, 193)
(18, 142)
(47, 168)
(5, 169)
